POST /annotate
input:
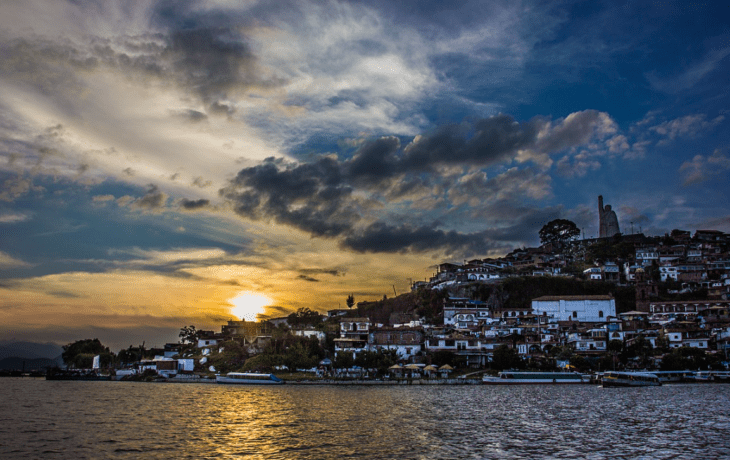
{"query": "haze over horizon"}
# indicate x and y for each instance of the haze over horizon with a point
(165, 162)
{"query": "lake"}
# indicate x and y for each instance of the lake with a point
(65, 419)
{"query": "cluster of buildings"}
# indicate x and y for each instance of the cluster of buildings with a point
(694, 262)
(583, 324)
(472, 329)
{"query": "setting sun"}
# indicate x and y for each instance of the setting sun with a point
(248, 305)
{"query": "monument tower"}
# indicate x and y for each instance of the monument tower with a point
(607, 221)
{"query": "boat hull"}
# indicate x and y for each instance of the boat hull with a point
(537, 378)
(77, 376)
(628, 379)
(234, 378)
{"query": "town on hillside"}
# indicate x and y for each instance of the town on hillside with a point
(616, 302)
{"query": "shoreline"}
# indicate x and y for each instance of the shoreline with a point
(346, 382)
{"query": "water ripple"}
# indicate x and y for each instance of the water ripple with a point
(142, 420)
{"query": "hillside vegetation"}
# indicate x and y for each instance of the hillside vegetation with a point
(516, 292)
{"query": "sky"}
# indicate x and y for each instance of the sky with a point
(168, 163)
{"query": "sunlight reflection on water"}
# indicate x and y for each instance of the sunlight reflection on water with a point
(47, 419)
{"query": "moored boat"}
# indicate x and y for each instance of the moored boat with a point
(709, 377)
(522, 378)
(75, 374)
(249, 378)
(674, 376)
(630, 379)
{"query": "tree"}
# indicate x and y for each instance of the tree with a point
(441, 357)
(80, 354)
(558, 232)
(188, 334)
(380, 360)
(304, 316)
(350, 301)
(505, 357)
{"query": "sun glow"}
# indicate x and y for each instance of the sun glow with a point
(248, 305)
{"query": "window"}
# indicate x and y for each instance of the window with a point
(600, 313)
(575, 314)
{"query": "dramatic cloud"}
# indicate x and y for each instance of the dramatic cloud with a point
(159, 157)
(349, 198)
(382, 237)
(312, 197)
(488, 141)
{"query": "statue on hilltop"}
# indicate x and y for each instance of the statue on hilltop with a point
(607, 220)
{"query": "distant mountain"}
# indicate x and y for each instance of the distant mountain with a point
(37, 364)
(29, 350)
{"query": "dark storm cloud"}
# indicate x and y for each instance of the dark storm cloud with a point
(483, 143)
(525, 224)
(336, 198)
(382, 237)
(312, 197)
(375, 160)
(194, 205)
(487, 141)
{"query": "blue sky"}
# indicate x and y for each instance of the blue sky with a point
(160, 158)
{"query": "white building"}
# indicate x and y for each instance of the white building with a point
(668, 272)
(646, 256)
(208, 342)
(456, 307)
(319, 335)
(589, 309)
(593, 273)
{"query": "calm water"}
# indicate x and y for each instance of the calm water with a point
(40, 419)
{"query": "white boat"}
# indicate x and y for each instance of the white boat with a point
(248, 378)
(674, 376)
(702, 377)
(721, 376)
(522, 378)
(710, 376)
(630, 379)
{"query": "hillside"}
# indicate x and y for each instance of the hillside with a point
(29, 350)
(22, 364)
(512, 292)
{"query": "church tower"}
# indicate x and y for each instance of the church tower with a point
(645, 290)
